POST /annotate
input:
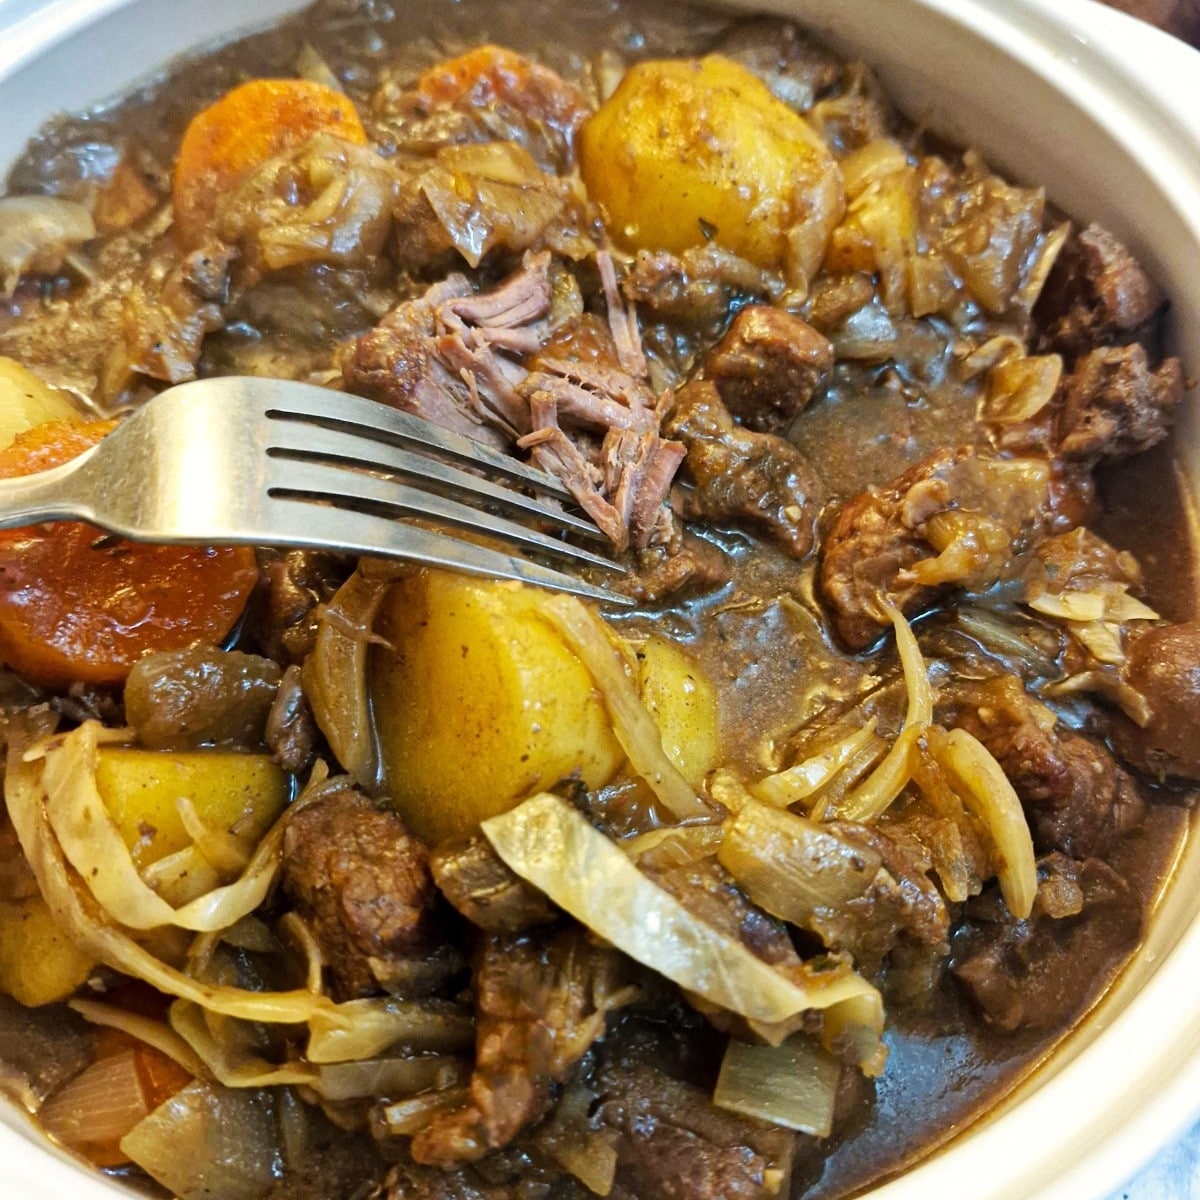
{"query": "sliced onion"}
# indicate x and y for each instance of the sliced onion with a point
(1019, 388)
(805, 779)
(36, 233)
(852, 1029)
(986, 792)
(227, 1066)
(407, 1117)
(793, 1084)
(791, 866)
(873, 796)
(554, 847)
(388, 1077)
(209, 1141)
(154, 1033)
(360, 1029)
(335, 675)
(99, 1106)
(586, 635)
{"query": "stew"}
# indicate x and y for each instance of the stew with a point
(330, 878)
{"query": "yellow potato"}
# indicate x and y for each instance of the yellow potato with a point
(684, 707)
(480, 705)
(236, 793)
(39, 964)
(25, 401)
(686, 151)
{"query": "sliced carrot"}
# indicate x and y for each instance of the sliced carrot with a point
(490, 73)
(76, 604)
(243, 129)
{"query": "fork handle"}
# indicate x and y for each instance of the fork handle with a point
(45, 496)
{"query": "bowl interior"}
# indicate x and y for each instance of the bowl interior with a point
(1079, 99)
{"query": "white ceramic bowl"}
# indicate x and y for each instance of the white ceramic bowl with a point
(1106, 113)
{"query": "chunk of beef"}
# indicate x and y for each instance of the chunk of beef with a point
(291, 730)
(361, 881)
(1096, 294)
(1163, 666)
(697, 286)
(181, 699)
(1114, 405)
(768, 366)
(958, 518)
(293, 586)
(795, 69)
(1076, 797)
(902, 902)
(675, 1144)
(410, 1181)
(541, 999)
(741, 475)
(1040, 973)
(477, 882)
(691, 567)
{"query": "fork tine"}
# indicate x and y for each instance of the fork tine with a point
(381, 423)
(299, 442)
(367, 534)
(321, 481)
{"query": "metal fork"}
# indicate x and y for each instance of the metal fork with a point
(268, 462)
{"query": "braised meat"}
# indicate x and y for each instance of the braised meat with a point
(541, 1000)
(1163, 667)
(476, 882)
(768, 367)
(361, 881)
(959, 518)
(1024, 975)
(1077, 798)
(742, 476)
(1097, 294)
(678, 1146)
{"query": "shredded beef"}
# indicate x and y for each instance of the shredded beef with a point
(677, 1146)
(1039, 973)
(476, 881)
(1076, 797)
(741, 475)
(540, 1002)
(1114, 405)
(361, 881)
(768, 367)
(1163, 666)
(1097, 293)
(491, 365)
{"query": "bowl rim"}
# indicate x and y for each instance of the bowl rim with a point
(1115, 1116)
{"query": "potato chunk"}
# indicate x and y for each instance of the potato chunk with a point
(480, 705)
(690, 151)
(684, 707)
(25, 401)
(233, 793)
(39, 964)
